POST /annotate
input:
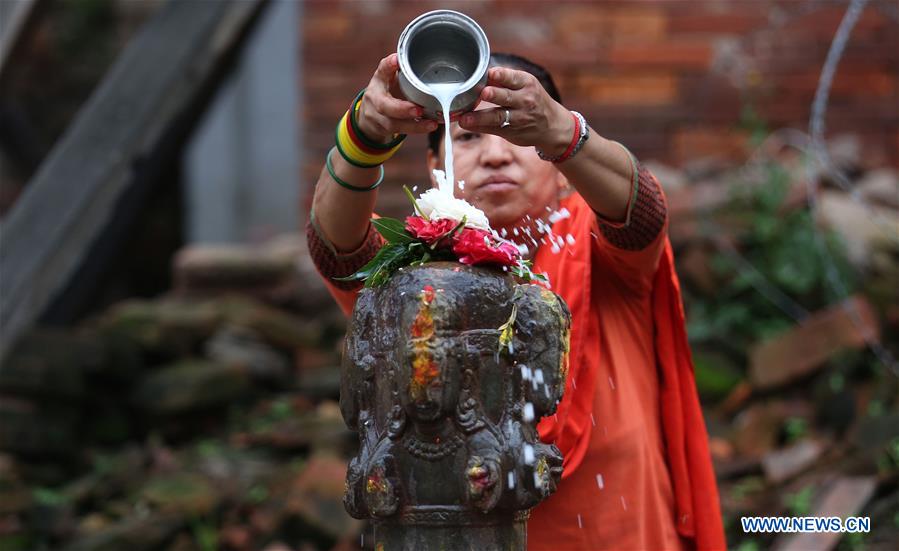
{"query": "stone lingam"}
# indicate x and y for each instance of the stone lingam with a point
(447, 370)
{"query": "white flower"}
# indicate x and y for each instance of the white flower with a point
(435, 204)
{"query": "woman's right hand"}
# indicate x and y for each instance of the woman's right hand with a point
(382, 114)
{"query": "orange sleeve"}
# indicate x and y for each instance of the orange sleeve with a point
(631, 249)
(332, 263)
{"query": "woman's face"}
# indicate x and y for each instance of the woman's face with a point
(504, 180)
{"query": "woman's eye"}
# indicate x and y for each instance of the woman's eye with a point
(467, 136)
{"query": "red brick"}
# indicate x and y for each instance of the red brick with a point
(824, 21)
(694, 55)
(801, 350)
(636, 24)
(847, 83)
(332, 27)
(580, 26)
(722, 143)
(593, 24)
(640, 90)
(615, 62)
(717, 23)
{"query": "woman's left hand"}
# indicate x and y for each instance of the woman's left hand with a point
(535, 119)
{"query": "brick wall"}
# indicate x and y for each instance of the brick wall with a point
(668, 78)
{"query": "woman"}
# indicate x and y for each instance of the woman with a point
(637, 473)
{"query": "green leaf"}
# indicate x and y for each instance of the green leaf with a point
(386, 254)
(426, 257)
(414, 202)
(393, 230)
(389, 262)
(522, 269)
(460, 226)
(507, 330)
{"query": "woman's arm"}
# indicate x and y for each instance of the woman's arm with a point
(342, 215)
(603, 171)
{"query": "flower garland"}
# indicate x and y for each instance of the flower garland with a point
(443, 228)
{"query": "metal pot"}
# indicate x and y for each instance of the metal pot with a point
(443, 46)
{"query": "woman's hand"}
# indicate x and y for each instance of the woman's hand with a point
(381, 114)
(534, 117)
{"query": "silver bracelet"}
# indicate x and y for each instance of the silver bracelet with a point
(581, 140)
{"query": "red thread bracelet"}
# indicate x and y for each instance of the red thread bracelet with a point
(574, 140)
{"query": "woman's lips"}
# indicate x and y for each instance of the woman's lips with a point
(498, 184)
(498, 187)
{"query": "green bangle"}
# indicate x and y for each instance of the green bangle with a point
(346, 185)
(362, 137)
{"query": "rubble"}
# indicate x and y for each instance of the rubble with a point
(794, 346)
(181, 422)
(780, 465)
(844, 498)
(862, 226)
(796, 353)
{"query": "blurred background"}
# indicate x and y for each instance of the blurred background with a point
(170, 359)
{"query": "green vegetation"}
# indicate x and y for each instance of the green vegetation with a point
(780, 266)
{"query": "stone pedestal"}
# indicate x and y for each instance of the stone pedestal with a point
(446, 372)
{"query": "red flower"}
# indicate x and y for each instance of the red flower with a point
(475, 246)
(429, 231)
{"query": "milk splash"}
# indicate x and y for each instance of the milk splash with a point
(445, 93)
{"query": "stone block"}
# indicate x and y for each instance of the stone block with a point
(780, 465)
(138, 533)
(756, 429)
(190, 385)
(49, 363)
(241, 347)
(804, 348)
(181, 494)
(880, 187)
(861, 226)
(165, 327)
(846, 497)
(278, 272)
(316, 496)
(33, 428)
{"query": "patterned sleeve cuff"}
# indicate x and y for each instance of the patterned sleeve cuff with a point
(646, 214)
(331, 263)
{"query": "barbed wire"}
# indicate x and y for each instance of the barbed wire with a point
(822, 157)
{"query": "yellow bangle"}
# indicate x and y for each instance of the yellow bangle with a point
(358, 149)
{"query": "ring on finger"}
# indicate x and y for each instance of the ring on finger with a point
(506, 119)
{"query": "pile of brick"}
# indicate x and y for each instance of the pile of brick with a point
(803, 416)
(205, 419)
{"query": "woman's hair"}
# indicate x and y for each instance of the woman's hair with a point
(511, 61)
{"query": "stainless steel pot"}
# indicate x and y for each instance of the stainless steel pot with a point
(443, 46)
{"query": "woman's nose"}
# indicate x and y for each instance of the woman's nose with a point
(496, 150)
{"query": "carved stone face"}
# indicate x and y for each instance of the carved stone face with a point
(429, 364)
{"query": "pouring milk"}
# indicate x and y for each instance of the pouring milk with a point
(445, 93)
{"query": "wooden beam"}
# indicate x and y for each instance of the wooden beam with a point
(51, 230)
(22, 16)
